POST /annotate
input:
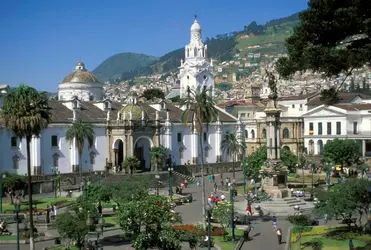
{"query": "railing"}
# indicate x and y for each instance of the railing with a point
(45, 178)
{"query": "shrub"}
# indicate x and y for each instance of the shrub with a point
(318, 230)
(215, 231)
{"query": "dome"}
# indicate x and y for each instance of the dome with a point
(136, 111)
(196, 26)
(80, 75)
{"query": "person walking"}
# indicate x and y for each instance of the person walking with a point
(274, 223)
(215, 187)
(279, 235)
(351, 245)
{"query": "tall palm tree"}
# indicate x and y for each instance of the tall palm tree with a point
(81, 131)
(200, 110)
(158, 155)
(26, 113)
(233, 145)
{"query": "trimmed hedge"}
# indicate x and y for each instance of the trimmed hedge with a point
(216, 231)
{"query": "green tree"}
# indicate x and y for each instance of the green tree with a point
(131, 163)
(222, 213)
(200, 110)
(80, 132)
(289, 159)
(301, 223)
(14, 185)
(158, 156)
(255, 161)
(344, 152)
(346, 200)
(333, 37)
(150, 221)
(72, 227)
(151, 94)
(26, 113)
(234, 146)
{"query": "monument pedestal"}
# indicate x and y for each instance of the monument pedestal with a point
(274, 180)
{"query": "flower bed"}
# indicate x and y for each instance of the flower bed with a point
(216, 231)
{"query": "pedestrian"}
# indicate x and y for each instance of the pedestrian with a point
(100, 209)
(213, 177)
(186, 183)
(198, 182)
(279, 235)
(248, 210)
(326, 219)
(274, 223)
(351, 245)
(215, 187)
(222, 196)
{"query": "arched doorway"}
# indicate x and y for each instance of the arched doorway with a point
(118, 149)
(320, 147)
(142, 147)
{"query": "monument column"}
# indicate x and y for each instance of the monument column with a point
(168, 132)
(218, 140)
(194, 137)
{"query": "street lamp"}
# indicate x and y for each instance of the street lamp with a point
(2, 177)
(100, 225)
(369, 211)
(232, 212)
(55, 172)
(244, 165)
(170, 170)
(208, 214)
(17, 206)
(157, 184)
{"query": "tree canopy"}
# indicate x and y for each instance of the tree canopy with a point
(151, 94)
(81, 131)
(333, 37)
(14, 185)
(344, 152)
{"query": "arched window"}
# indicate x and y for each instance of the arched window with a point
(264, 133)
(286, 133)
(15, 162)
(55, 160)
(195, 52)
(252, 134)
(187, 52)
(92, 158)
(106, 105)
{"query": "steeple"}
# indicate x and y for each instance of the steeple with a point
(195, 49)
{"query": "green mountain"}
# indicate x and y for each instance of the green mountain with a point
(114, 66)
(253, 39)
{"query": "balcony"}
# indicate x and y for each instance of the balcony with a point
(311, 132)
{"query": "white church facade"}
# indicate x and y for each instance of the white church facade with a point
(121, 129)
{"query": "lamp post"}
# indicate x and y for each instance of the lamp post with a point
(55, 172)
(17, 206)
(100, 225)
(232, 212)
(157, 184)
(2, 177)
(208, 214)
(312, 166)
(244, 176)
(170, 170)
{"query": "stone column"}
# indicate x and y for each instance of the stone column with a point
(363, 148)
(116, 157)
(168, 132)
(74, 156)
(194, 146)
(218, 140)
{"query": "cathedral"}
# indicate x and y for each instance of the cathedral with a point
(123, 129)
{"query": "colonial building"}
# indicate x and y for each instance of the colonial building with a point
(121, 129)
(350, 118)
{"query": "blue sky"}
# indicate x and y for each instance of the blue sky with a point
(41, 41)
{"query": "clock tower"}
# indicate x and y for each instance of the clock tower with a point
(195, 71)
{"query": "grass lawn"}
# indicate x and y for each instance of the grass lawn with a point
(228, 245)
(108, 204)
(110, 220)
(62, 248)
(40, 203)
(328, 244)
(8, 237)
(308, 178)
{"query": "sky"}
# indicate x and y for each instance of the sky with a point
(41, 41)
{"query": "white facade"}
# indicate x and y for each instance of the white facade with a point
(326, 123)
(82, 84)
(196, 72)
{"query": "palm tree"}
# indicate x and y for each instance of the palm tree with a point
(26, 113)
(131, 163)
(200, 110)
(158, 155)
(233, 145)
(81, 131)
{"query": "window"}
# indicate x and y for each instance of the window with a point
(181, 155)
(329, 128)
(179, 137)
(54, 141)
(293, 106)
(248, 114)
(205, 77)
(264, 133)
(92, 158)
(246, 134)
(320, 128)
(338, 128)
(106, 105)
(13, 142)
(301, 105)
(311, 128)
(205, 137)
(75, 104)
(55, 160)
(355, 128)
(91, 98)
(15, 162)
(243, 114)
(253, 134)
(286, 133)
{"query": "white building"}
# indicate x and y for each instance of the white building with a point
(348, 119)
(121, 129)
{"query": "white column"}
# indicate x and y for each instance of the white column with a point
(168, 132)
(278, 143)
(218, 140)
(363, 148)
(194, 139)
(75, 154)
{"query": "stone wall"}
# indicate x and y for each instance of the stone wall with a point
(209, 168)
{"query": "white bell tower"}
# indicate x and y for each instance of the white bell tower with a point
(196, 72)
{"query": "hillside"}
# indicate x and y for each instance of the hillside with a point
(116, 65)
(254, 40)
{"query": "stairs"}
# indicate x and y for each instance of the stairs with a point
(285, 207)
(190, 179)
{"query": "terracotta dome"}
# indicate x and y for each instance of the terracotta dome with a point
(80, 75)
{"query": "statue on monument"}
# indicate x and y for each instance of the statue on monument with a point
(272, 83)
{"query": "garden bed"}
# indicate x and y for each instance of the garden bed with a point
(333, 238)
(216, 231)
(228, 244)
(40, 204)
